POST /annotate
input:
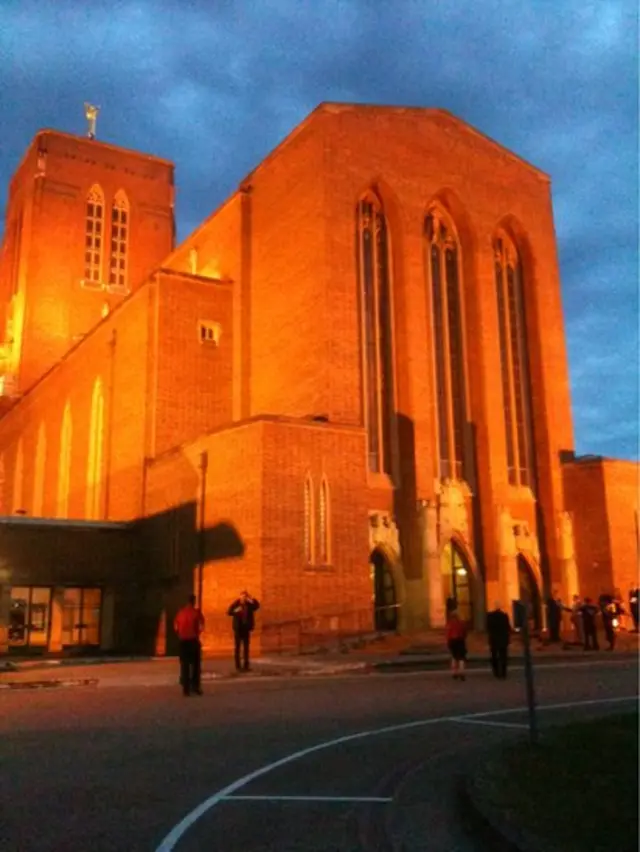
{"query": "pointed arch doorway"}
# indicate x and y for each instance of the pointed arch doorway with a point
(385, 593)
(457, 581)
(530, 593)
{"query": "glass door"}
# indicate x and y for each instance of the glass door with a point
(81, 617)
(29, 614)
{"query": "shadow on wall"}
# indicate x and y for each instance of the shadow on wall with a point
(176, 549)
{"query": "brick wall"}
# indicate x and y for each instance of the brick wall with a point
(622, 487)
(293, 588)
(192, 391)
(600, 496)
(233, 521)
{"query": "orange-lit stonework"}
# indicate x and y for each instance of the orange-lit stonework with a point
(347, 390)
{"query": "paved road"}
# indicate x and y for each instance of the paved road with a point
(118, 769)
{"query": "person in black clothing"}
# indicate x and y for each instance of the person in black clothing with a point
(242, 612)
(554, 617)
(499, 632)
(589, 612)
(609, 610)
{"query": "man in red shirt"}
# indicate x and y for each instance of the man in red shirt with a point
(189, 624)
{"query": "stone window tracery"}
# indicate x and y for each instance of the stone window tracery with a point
(94, 237)
(443, 277)
(377, 339)
(514, 362)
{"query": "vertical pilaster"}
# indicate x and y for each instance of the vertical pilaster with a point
(432, 571)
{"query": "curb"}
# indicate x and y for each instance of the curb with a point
(48, 684)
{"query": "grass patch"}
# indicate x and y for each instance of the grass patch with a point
(577, 791)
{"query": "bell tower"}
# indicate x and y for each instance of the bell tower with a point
(86, 223)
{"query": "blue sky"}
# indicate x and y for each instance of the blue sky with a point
(215, 85)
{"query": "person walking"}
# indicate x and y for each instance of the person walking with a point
(499, 633)
(189, 624)
(242, 612)
(457, 644)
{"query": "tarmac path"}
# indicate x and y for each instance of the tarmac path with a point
(126, 769)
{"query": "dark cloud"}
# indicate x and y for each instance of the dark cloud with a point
(215, 86)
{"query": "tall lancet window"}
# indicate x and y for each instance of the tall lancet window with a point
(324, 524)
(375, 290)
(119, 241)
(444, 281)
(308, 520)
(514, 362)
(94, 237)
(95, 457)
(64, 464)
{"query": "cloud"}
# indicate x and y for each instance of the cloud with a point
(215, 86)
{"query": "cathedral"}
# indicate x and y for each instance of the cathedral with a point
(346, 391)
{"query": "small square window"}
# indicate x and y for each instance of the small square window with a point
(209, 332)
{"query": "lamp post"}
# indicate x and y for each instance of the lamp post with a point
(523, 620)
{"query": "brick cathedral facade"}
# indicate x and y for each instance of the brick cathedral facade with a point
(347, 391)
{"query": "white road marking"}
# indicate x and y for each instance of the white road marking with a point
(306, 799)
(170, 841)
(487, 722)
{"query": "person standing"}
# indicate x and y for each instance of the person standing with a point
(499, 632)
(189, 624)
(608, 610)
(589, 612)
(576, 620)
(554, 617)
(457, 644)
(242, 612)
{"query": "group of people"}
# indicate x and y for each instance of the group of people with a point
(585, 616)
(189, 624)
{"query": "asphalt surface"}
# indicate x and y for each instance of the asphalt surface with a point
(119, 769)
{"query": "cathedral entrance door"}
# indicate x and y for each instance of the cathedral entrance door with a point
(384, 592)
(457, 581)
(529, 593)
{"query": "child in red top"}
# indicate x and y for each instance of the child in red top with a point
(457, 644)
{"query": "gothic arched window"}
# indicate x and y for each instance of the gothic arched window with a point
(308, 520)
(443, 278)
(95, 457)
(514, 362)
(64, 464)
(119, 241)
(324, 523)
(377, 338)
(94, 237)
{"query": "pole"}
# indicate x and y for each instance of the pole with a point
(528, 672)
